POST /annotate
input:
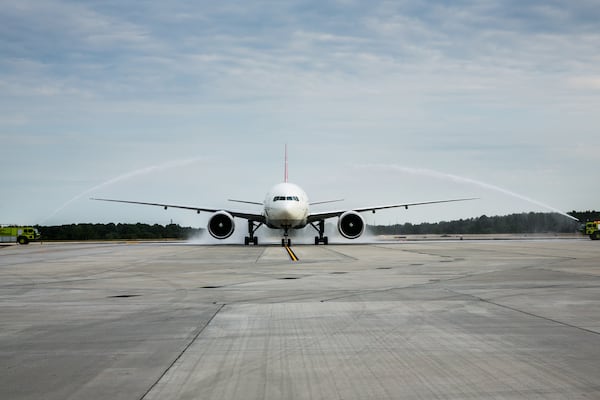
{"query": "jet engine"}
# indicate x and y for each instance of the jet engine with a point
(221, 225)
(351, 225)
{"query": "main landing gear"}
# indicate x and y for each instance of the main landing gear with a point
(252, 227)
(320, 227)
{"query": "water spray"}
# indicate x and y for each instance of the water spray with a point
(128, 175)
(461, 179)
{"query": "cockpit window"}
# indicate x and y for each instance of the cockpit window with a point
(289, 198)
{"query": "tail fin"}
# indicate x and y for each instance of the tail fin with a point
(285, 174)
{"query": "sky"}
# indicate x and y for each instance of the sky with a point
(379, 102)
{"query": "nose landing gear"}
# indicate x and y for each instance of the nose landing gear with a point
(286, 241)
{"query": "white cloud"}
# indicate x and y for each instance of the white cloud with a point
(584, 82)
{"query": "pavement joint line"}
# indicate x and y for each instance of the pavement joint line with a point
(182, 352)
(329, 249)
(262, 253)
(526, 312)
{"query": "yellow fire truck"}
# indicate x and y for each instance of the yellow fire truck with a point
(592, 229)
(19, 234)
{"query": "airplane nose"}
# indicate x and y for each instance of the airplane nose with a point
(286, 212)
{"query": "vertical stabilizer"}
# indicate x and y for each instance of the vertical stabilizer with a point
(285, 173)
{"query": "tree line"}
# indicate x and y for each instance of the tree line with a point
(113, 231)
(531, 222)
(514, 223)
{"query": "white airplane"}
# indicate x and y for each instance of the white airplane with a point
(285, 207)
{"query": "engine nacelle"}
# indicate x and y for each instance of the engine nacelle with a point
(351, 225)
(221, 225)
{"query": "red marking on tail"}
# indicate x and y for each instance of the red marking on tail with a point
(285, 174)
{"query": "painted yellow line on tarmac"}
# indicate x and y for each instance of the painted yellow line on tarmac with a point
(291, 253)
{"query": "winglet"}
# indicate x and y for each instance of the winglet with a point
(285, 173)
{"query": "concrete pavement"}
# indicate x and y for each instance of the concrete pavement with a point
(419, 320)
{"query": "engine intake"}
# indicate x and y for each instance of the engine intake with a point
(221, 225)
(351, 225)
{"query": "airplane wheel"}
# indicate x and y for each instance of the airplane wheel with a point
(255, 240)
(282, 242)
(246, 241)
(289, 242)
(325, 240)
(316, 240)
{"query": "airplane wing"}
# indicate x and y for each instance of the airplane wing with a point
(246, 202)
(238, 214)
(330, 214)
(312, 203)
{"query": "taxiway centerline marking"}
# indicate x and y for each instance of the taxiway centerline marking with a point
(293, 256)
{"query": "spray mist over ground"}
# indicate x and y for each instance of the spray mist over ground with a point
(273, 236)
(461, 179)
(126, 176)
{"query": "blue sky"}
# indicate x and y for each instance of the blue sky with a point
(192, 103)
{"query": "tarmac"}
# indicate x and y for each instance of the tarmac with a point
(451, 319)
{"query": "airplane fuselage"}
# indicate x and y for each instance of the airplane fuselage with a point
(286, 207)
